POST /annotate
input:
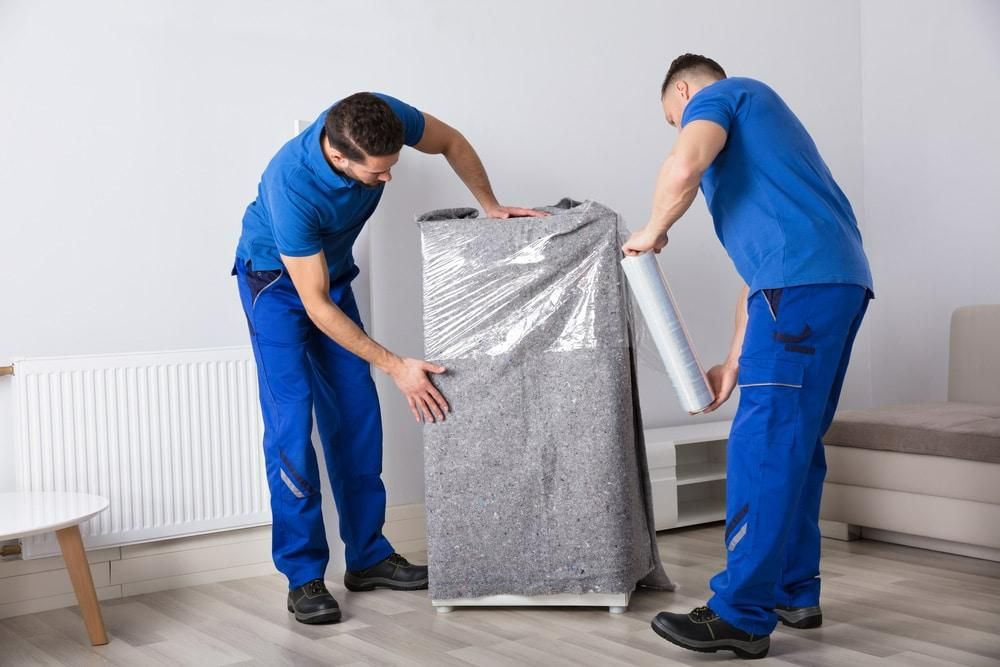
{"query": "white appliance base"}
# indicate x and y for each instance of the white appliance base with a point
(617, 603)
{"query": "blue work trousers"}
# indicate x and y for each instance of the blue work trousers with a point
(795, 355)
(300, 369)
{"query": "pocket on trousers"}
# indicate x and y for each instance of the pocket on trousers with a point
(773, 299)
(259, 281)
(770, 391)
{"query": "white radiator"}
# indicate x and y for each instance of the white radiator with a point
(173, 439)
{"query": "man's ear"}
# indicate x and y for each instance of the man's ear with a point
(337, 158)
(682, 89)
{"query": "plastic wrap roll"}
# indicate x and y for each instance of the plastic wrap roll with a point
(652, 293)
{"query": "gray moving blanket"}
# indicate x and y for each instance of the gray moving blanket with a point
(537, 482)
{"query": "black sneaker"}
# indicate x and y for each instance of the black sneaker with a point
(702, 630)
(313, 604)
(395, 573)
(802, 618)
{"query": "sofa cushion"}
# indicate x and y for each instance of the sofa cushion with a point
(957, 430)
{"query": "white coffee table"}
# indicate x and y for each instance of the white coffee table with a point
(29, 513)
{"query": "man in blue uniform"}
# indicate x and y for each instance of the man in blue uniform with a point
(794, 239)
(295, 265)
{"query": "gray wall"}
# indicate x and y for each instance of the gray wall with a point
(930, 73)
(134, 134)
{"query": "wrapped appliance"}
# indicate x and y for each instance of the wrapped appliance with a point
(537, 489)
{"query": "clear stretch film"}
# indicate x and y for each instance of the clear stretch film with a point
(652, 293)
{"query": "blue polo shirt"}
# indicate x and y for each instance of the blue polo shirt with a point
(777, 210)
(303, 206)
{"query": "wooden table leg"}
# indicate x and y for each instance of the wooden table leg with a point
(83, 584)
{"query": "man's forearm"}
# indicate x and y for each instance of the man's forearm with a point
(676, 188)
(332, 321)
(736, 347)
(466, 163)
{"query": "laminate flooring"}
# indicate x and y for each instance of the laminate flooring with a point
(883, 604)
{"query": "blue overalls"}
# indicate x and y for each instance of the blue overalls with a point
(299, 367)
(794, 239)
(794, 358)
(305, 207)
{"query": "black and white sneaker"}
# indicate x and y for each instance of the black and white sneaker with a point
(395, 573)
(702, 630)
(802, 618)
(313, 604)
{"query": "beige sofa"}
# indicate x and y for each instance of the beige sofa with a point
(926, 474)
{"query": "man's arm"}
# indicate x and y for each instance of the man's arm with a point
(442, 139)
(312, 281)
(677, 185)
(722, 378)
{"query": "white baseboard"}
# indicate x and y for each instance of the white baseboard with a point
(226, 573)
(50, 602)
(41, 584)
(406, 528)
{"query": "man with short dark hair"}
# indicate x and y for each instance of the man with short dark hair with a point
(295, 265)
(794, 239)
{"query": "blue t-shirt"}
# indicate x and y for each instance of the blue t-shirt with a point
(777, 210)
(304, 206)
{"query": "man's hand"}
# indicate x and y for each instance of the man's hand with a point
(722, 381)
(426, 402)
(644, 240)
(504, 212)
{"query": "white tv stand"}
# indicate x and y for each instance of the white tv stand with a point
(687, 469)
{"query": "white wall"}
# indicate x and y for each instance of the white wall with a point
(930, 74)
(134, 134)
(566, 103)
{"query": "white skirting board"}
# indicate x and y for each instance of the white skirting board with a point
(41, 584)
(617, 603)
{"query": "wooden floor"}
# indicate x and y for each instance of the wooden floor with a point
(883, 605)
